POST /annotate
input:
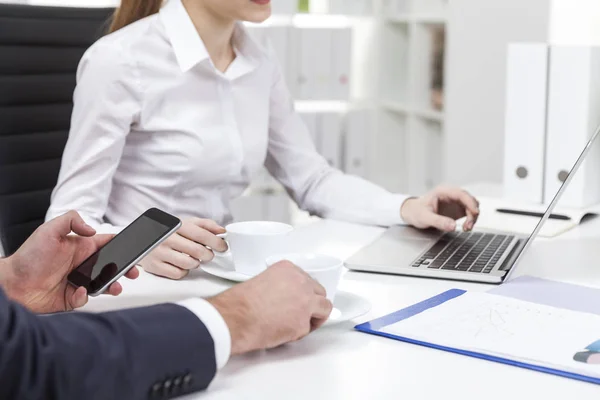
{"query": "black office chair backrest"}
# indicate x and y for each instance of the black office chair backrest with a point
(40, 49)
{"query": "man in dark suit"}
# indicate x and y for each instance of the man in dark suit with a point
(154, 352)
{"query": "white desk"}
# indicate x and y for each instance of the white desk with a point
(340, 363)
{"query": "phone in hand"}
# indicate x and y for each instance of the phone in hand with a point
(124, 251)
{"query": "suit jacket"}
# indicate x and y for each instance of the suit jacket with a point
(145, 353)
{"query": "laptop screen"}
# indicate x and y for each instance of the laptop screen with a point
(566, 181)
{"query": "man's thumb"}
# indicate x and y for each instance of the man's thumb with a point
(79, 298)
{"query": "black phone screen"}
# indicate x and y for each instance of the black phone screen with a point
(118, 254)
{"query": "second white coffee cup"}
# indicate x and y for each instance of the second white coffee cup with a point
(253, 241)
(324, 269)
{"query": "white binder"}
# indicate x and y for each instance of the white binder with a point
(284, 7)
(525, 127)
(573, 114)
(330, 138)
(341, 62)
(279, 38)
(351, 7)
(313, 60)
(357, 130)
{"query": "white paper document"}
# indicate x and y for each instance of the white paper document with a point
(490, 220)
(511, 329)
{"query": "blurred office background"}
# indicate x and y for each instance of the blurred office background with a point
(407, 93)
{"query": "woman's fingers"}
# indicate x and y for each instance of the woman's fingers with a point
(191, 248)
(167, 270)
(179, 259)
(204, 232)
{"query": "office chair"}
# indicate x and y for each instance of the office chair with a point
(40, 49)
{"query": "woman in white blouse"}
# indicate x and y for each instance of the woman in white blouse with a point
(179, 108)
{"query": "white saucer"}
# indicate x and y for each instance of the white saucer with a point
(346, 306)
(222, 266)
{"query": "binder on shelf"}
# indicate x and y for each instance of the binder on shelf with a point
(351, 7)
(320, 62)
(341, 63)
(573, 114)
(330, 138)
(355, 143)
(279, 38)
(313, 67)
(525, 128)
(429, 7)
(396, 7)
(284, 7)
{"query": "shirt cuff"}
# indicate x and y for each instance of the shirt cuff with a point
(389, 209)
(216, 326)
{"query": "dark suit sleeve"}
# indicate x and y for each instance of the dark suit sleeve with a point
(154, 352)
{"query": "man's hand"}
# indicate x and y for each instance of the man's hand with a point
(281, 305)
(36, 275)
(440, 209)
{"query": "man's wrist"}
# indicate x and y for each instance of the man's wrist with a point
(215, 324)
(4, 271)
(235, 313)
(8, 280)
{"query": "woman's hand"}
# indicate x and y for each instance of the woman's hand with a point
(440, 209)
(186, 249)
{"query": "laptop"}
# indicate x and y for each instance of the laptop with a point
(469, 256)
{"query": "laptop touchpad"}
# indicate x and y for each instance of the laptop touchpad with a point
(398, 246)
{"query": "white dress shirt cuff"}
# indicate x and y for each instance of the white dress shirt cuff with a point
(390, 207)
(216, 326)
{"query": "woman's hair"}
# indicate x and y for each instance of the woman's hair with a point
(133, 10)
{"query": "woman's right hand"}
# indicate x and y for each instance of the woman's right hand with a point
(186, 249)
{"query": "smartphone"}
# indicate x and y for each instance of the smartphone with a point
(124, 251)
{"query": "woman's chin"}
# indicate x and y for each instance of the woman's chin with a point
(257, 17)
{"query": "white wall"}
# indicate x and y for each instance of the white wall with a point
(478, 34)
(575, 22)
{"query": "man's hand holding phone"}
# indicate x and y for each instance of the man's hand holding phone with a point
(42, 286)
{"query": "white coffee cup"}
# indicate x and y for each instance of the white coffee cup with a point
(253, 241)
(324, 269)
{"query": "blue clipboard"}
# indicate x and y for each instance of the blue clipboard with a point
(374, 328)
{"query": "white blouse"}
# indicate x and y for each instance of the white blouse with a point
(155, 124)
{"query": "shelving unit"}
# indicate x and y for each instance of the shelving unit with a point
(406, 37)
(393, 73)
(425, 19)
(424, 113)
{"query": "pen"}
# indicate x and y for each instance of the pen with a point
(533, 214)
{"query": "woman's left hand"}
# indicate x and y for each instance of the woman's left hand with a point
(440, 209)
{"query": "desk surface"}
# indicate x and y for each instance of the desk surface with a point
(337, 362)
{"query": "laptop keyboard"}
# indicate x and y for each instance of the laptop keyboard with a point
(466, 251)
